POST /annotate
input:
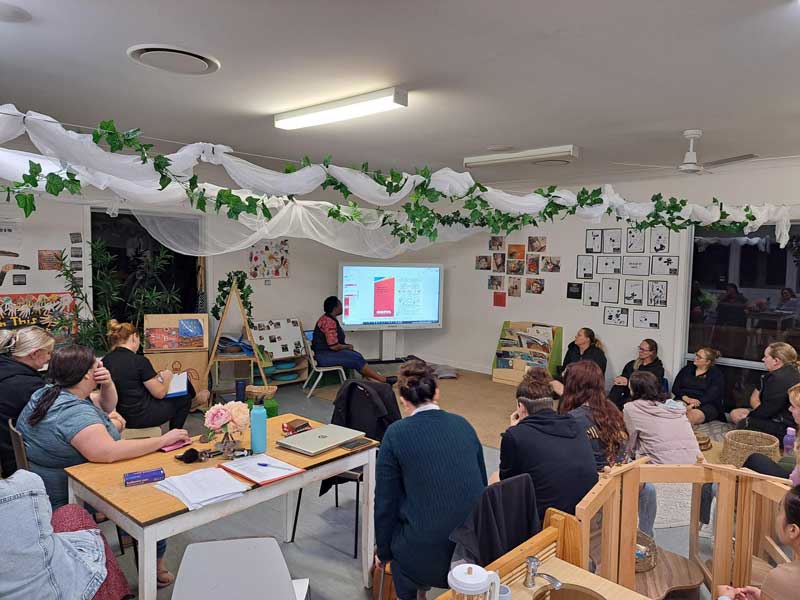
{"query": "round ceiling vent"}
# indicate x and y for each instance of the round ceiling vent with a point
(173, 59)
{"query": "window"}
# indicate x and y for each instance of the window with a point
(762, 268)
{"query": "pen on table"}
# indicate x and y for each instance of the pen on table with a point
(275, 467)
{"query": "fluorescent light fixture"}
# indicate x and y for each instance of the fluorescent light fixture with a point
(556, 153)
(342, 110)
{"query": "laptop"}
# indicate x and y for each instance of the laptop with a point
(319, 440)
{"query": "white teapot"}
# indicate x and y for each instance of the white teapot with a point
(471, 582)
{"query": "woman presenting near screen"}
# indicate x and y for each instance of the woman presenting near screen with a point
(330, 349)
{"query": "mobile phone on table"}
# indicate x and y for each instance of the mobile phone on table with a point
(355, 444)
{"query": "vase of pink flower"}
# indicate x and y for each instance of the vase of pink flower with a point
(229, 419)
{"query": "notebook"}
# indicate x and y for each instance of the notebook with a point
(253, 468)
(178, 385)
(202, 487)
(319, 440)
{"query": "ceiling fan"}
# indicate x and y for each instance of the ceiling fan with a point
(689, 164)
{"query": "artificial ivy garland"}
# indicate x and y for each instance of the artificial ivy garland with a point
(420, 219)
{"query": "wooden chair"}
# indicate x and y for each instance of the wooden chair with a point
(316, 368)
(20, 456)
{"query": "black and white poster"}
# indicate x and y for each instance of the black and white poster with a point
(636, 265)
(574, 290)
(591, 293)
(585, 266)
(634, 240)
(657, 293)
(594, 241)
(612, 241)
(665, 265)
(634, 292)
(646, 319)
(609, 291)
(609, 265)
(659, 240)
(615, 315)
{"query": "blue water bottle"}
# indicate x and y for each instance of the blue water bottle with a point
(258, 427)
(788, 441)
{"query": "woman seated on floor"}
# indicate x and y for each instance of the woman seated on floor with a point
(429, 476)
(553, 449)
(701, 386)
(22, 353)
(62, 427)
(782, 582)
(647, 360)
(141, 390)
(50, 558)
(657, 428)
(769, 404)
(586, 346)
(330, 349)
(787, 466)
(585, 399)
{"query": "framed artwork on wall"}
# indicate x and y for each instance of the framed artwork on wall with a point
(585, 266)
(646, 319)
(609, 291)
(636, 265)
(609, 265)
(591, 293)
(594, 241)
(657, 293)
(634, 292)
(615, 315)
(665, 265)
(659, 240)
(612, 241)
(634, 240)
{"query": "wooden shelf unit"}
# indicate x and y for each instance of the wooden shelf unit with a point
(301, 368)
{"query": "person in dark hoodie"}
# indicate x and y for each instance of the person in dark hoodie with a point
(646, 361)
(587, 346)
(701, 387)
(429, 476)
(22, 353)
(553, 449)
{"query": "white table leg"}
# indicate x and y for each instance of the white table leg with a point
(71, 492)
(147, 566)
(368, 517)
(290, 503)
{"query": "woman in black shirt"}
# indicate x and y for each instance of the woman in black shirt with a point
(140, 389)
(701, 386)
(647, 361)
(587, 346)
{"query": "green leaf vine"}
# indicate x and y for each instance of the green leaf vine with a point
(224, 290)
(54, 184)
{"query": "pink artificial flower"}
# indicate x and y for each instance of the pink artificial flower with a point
(216, 417)
(240, 416)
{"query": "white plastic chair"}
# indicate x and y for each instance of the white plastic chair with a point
(316, 368)
(246, 568)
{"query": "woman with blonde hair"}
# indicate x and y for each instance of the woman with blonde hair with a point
(701, 387)
(140, 388)
(769, 403)
(786, 466)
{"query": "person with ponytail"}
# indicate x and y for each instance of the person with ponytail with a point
(141, 389)
(586, 346)
(62, 427)
(769, 404)
(701, 387)
(647, 360)
(782, 582)
(429, 476)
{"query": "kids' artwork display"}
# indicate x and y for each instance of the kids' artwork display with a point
(657, 293)
(591, 293)
(173, 332)
(634, 292)
(636, 265)
(499, 262)
(523, 345)
(534, 285)
(515, 287)
(516, 251)
(609, 265)
(574, 290)
(659, 240)
(550, 264)
(49, 260)
(497, 242)
(609, 291)
(646, 319)
(665, 265)
(612, 241)
(532, 266)
(634, 240)
(615, 315)
(537, 243)
(269, 259)
(43, 309)
(515, 267)
(496, 282)
(594, 241)
(483, 263)
(280, 338)
(585, 266)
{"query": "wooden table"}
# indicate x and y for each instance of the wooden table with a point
(149, 515)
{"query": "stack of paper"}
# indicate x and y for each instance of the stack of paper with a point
(202, 487)
(261, 469)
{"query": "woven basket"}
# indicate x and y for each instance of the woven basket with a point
(648, 561)
(261, 391)
(740, 443)
(703, 441)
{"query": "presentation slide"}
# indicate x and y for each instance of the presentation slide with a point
(390, 295)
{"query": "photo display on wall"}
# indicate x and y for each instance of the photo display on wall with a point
(499, 262)
(550, 264)
(585, 266)
(609, 291)
(634, 292)
(537, 243)
(497, 242)
(483, 263)
(636, 265)
(615, 315)
(646, 319)
(609, 265)
(515, 267)
(591, 293)
(665, 265)
(594, 241)
(516, 251)
(634, 240)
(532, 266)
(574, 290)
(496, 282)
(612, 241)
(659, 240)
(534, 285)
(515, 287)
(657, 293)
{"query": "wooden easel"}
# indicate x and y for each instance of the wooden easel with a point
(216, 358)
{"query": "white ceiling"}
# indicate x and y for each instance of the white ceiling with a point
(619, 78)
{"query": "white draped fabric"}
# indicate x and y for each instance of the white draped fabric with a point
(192, 232)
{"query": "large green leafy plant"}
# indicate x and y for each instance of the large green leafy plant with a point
(224, 289)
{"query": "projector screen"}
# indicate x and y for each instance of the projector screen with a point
(386, 296)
